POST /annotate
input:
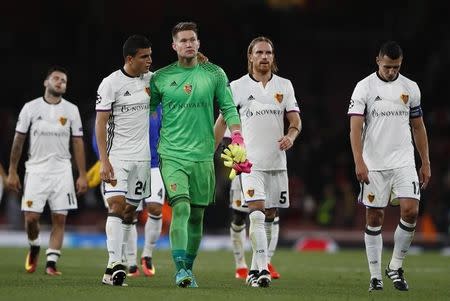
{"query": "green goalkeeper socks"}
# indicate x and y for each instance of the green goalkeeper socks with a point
(178, 231)
(195, 233)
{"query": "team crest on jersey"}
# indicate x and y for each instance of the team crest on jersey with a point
(405, 98)
(173, 187)
(238, 203)
(187, 88)
(62, 120)
(371, 197)
(279, 97)
(29, 203)
(147, 90)
(251, 192)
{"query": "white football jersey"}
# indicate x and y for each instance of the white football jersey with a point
(50, 127)
(128, 126)
(262, 111)
(387, 108)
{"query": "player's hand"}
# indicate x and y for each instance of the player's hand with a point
(424, 175)
(81, 185)
(362, 172)
(93, 175)
(107, 172)
(285, 143)
(13, 182)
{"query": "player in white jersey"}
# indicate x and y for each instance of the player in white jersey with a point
(384, 107)
(264, 100)
(52, 122)
(238, 227)
(123, 107)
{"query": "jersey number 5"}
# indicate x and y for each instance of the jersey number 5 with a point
(283, 197)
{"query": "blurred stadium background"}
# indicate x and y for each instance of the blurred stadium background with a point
(324, 47)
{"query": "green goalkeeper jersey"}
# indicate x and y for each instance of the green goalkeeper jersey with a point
(187, 96)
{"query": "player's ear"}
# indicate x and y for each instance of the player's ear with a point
(46, 83)
(174, 47)
(377, 59)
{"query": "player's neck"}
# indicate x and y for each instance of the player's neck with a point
(262, 77)
(129, 71)
(187, 62)
(51, 99)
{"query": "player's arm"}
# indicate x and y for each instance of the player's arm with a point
(155, 95)
(421, 141)
(80, 161)
(219, 130)
(106, 170)
(13, 180)
(294, 129)
(3, 174)
(356, 127)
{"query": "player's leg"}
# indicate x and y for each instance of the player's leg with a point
(175, 180)
(36, 187)
(238, 228)
(238, 238)
(56, 240)
(153, 225)
(272, 230)
(62, 199)
(32, 229)
(255, 195)
(202, 191)
(405, 184)
(130, 239)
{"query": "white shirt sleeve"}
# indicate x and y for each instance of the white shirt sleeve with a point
(291, 103)
(76, 127)
(24, 120)
(234, 90)
(105, 96)
(357, 104)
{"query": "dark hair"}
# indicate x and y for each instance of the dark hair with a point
(55, 68)
(391, 49)
(133, 44)
(182, 26)
(250, 50)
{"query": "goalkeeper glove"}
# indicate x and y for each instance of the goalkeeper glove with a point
(236, 168)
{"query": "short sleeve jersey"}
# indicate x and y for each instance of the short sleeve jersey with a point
(387, 108)
(128, 100)
(187, 96)
(50, 127)
(262, 111)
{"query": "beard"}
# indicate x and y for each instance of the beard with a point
(55, 93)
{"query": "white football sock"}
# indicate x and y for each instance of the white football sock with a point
(258, 238)
(273, 238)
(153, 228)
(238, 236)
(403, 237)
(131, 245)
(53, 254)
(374, 246)
(114, 238)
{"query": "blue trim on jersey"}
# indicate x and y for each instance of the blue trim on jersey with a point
(155, 126)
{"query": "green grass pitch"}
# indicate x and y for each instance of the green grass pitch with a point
(304, 276)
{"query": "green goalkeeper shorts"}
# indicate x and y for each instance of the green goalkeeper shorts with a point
(188, 179)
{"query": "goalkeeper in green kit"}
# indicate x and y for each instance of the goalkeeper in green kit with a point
(187, 91)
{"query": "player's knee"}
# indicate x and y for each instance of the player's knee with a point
(154, 209)
(257, 217)
(270, 214)
(410, 215)
(181, 210)
(238, 217)
(374, 217)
